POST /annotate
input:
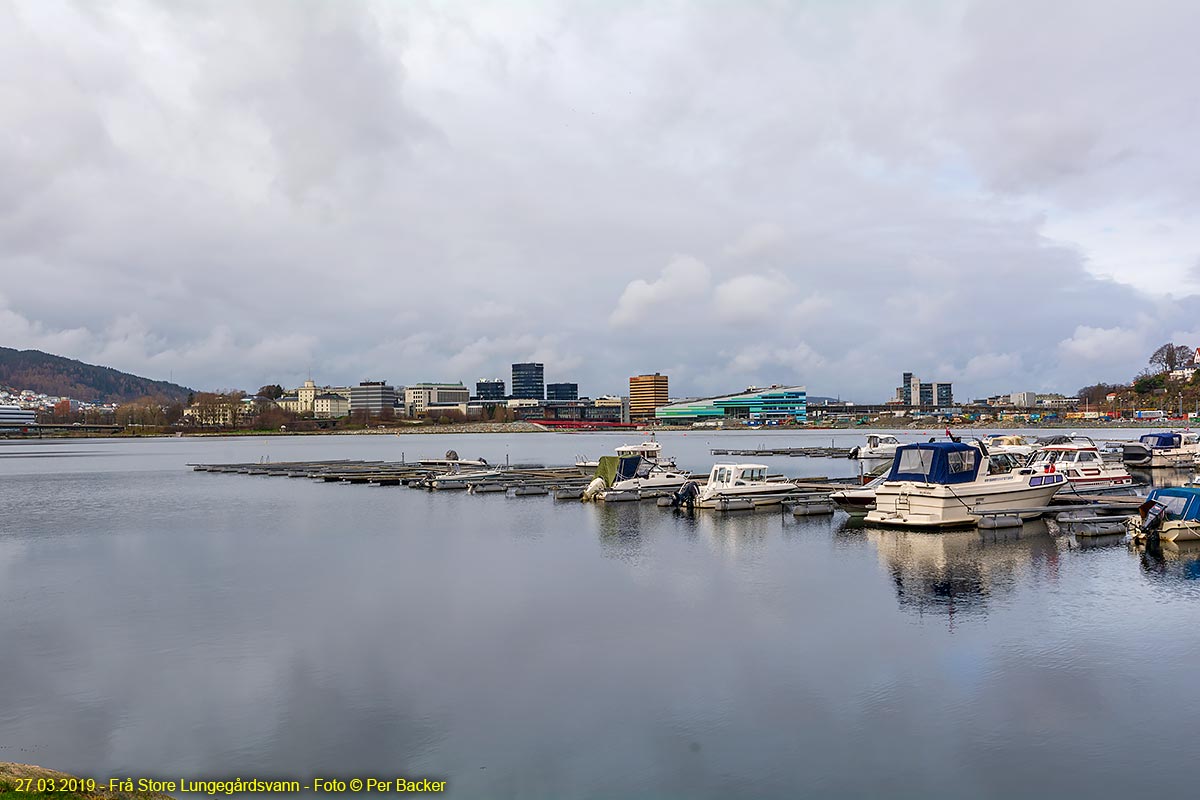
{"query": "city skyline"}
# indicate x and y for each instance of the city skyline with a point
(734, 193)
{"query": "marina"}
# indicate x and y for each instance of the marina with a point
(158, 589)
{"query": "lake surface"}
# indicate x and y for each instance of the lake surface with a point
(158, 621)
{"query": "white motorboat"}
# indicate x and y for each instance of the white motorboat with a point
(623, 478)
(858, 501)
(1081, 462)
(733, 486)
(879, 446)
(649, 451)
(458, 479)
(658, 477)
(1162, 450)
(942, 484)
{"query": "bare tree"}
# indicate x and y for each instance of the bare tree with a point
(1166, 357)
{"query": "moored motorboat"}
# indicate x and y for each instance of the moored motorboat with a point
(732, 486)
(859, 500)
(650, 453)
(942, 484)
(1173, 513)
(1084, 466)
(1162, 450)
(879, 446)
(623, 478)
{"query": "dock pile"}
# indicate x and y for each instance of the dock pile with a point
(565, 483)
(529, 479)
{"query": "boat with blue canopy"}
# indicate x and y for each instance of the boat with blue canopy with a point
(943, 484)
(1173, 512)
(1162, 449)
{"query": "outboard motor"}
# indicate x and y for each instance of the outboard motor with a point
(686, 496)
(1152, 513)
(853, 453)
(594, 488)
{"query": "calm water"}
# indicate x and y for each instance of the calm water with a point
(156, 620)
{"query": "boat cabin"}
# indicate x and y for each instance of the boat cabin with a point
(1162, 441)
(936, 462)
(737, 474)
(647, 450)
(875, 440)
(1063, 456)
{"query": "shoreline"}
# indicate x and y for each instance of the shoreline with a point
(530, 427)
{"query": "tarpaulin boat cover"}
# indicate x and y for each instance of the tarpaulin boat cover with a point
(1181, 502)
(936, 462)
(1161, 440)
(612, 468)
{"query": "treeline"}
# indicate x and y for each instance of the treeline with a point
(1156, 385)
(65, 377)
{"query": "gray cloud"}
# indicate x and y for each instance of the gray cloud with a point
(232, 194)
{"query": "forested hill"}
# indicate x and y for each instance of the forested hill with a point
(66, 377)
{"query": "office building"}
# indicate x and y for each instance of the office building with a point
(422, 397)
(784, 403)
(646, 393)
(489, 389)
(528, 381)
(912, 392)
(373, 397)
(330, 405)
(562, 391)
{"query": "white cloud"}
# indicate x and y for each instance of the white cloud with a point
(1103, 344)
(748, 298)
(760, 238)
(643, 302)
(413, 192)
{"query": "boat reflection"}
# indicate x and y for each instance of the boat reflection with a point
(1169, 560)
(961, 572)
(1161, 478)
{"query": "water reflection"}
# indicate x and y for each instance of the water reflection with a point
(961, 572)
(1156, 478)
(1170, 560)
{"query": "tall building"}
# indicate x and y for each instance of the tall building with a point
(528, 381)
(646, 393)
(912, 392)
(562, 391)
(489, 389)
(420, 397)
(372, 397)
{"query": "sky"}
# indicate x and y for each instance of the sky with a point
(1004, 195)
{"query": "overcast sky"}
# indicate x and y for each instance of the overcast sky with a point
(1005, 194)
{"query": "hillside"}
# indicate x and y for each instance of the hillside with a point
(66, 377)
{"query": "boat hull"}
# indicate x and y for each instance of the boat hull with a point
(725, 501)
(1180, 531)
(918, 505)
(1138, 455)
